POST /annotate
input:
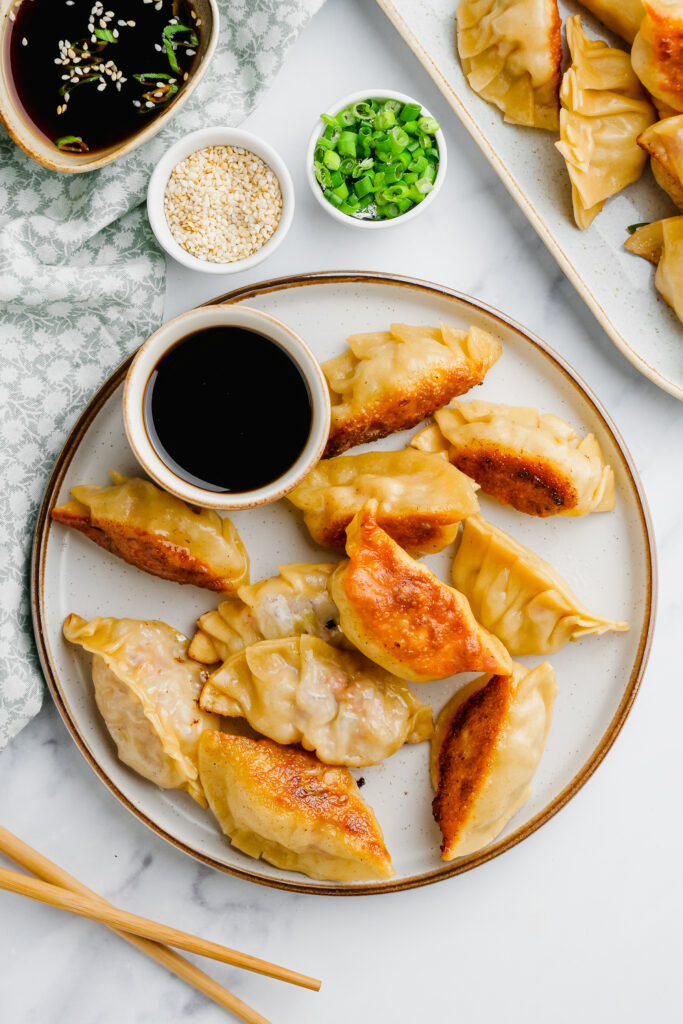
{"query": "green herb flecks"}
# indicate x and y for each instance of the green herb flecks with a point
(171, 44)
(71, 144)
(632, 228)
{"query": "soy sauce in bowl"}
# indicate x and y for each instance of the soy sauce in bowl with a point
(227, 409)
(92, 73)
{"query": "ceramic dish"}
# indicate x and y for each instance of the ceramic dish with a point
(218, 136)
(357, 222)
(142, 367)
(607, 558)
(616, 286)
(19, 128)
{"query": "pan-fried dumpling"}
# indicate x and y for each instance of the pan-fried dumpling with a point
(147, 691)
(336, 703)
(664, 142)
(402, 616)
(487, 746)
(157, 532)
(657, 54)
(511, 53)
(283, 805)
(604, 110)
(421, 498)
(390, 380)
(662, 243)
(517, 596)
(622, 16)
(536, 463)
(295, 602)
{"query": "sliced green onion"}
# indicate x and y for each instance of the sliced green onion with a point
(384, 120)
(335, 179)
(428, 125)
(404, 156)
(410, 112)
(322, 175)
(363, 187)
(397, 191)
(418, 164)
(432, 152)
(429, 172)
(331, 159)
(393, 105)
(411, 127)
(366, 201)
(346, 117)
(362, 110)
(404, 204)
(423, 185)
(347, 165)
(394, 172)
(332, 197)
(632, 228)
(71, 144)
(401, 139)
(410, 177)
(342, 191)
(347, 144)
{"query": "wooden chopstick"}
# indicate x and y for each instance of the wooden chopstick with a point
(33, 861)
(105, 913)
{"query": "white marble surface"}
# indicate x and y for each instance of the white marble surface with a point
(579, 922)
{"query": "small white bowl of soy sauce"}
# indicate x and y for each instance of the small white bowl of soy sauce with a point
(226, 407)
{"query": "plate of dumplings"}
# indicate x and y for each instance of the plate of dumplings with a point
(578, 107)
(401, 669)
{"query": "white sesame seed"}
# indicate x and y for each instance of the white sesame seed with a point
(222, 203)
(24, 41)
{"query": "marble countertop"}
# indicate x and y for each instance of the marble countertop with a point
(580, 921)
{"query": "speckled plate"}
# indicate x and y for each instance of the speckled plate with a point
(607, 558)
(617, 286)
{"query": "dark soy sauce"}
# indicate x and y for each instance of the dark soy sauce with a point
(91, 73)
(227, 409)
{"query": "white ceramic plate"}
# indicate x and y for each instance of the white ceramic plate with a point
(607, 558)
(617, 286)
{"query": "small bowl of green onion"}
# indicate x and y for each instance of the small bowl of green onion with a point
(378, 158)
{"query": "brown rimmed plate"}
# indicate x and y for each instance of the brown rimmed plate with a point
(608, 558)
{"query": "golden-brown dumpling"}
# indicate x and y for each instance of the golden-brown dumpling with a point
(337, 703)
(662, 243)
(518, 596)
(402, 616)
(664, 142)
(657, 54)
(295, 602)
(421, 498)
(604, 110)
(536, 463)
(511, 53)
(487, 746)
(283, 805)
(622, 16)
(147, 691)
(157, 532)
(390, 380)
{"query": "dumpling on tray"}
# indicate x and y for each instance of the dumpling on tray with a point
(283, 805)
(336, 703)
(511, 53)
(664, 142)
(657, 54)
(421, 498)
(518, 596)
(157, 532)
(487, 746)
(661, 242)
(536, 463)
(295, 602)
(147, 691)
(623, 17)
(604, 110)
(402, 616)
(390, 380)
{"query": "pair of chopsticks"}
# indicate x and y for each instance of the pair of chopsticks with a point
(60, 889)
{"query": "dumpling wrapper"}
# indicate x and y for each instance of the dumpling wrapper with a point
(390, 380)
(511, 53)
(657, 54)
(518, 596)
(487, 746)
(623, 17)
(158, 533)
(662, 244)
(421, 498)
(295, 602)
(401, 616)
(336, 703)
(283, 805)
(604, 110)
(536, 463)
(147, 691)
(664, 142)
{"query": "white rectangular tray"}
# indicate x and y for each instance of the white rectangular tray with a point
(617, 286)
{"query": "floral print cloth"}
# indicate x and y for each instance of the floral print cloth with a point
(81, 286)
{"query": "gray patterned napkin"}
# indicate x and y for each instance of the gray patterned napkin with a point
(81, 286)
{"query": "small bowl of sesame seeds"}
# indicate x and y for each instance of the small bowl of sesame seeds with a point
(220, 200)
